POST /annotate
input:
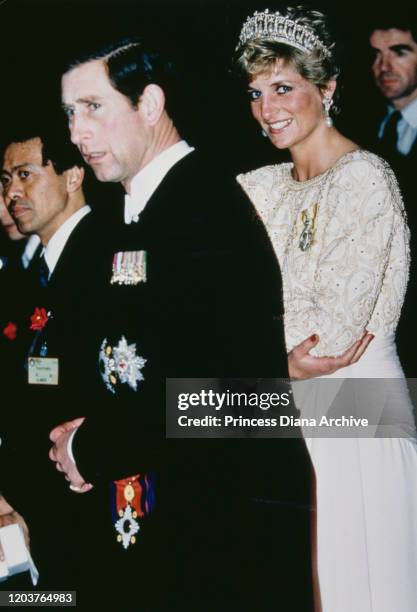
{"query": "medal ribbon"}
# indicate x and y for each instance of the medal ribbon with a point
(142, 501)
(121, 501)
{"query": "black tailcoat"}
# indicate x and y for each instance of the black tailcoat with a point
(230, 527)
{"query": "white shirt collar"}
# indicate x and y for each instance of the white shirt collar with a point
(56, 244)
(29, 250)
(409, 113)
(147, 180)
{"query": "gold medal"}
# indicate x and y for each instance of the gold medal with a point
(129, 493)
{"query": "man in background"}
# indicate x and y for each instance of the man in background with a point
(42, 178)
(394, 44)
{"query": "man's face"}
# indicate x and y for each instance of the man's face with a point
(6, 222)
(395, 65)
(35, 195)
(109, 131)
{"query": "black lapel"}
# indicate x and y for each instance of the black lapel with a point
(75, 253)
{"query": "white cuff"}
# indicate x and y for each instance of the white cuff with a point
(69, 446)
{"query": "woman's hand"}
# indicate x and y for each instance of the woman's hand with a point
(302, 365)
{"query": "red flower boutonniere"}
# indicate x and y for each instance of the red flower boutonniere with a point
(10, 331)
(39, 319)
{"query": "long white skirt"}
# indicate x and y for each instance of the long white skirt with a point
(367, 504)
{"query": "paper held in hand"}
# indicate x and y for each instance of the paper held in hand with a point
(17, 556)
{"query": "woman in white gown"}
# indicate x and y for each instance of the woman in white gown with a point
(336, 220)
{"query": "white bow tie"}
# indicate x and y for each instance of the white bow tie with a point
(131, 210)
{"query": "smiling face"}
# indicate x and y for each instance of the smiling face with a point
(287, 106)
(35, 195)
(395, 65)
(109, 131)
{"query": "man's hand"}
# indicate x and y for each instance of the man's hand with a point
(59, 453)
(302, 365)
(64, 427)
(8, 516)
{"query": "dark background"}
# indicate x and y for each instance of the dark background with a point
(37, 36)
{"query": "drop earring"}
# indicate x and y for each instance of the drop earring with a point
(264, 134)
(327, 103)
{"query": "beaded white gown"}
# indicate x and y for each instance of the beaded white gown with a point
(352, 277)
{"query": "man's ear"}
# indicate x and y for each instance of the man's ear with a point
(152, 103)
(74, 178)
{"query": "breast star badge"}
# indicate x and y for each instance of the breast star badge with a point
(120, 364)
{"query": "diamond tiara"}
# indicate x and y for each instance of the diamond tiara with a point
(278, 28)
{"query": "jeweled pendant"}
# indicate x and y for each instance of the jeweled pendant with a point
(306, 239)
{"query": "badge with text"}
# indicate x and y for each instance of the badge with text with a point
(129, 268)
(43, 370)
(132, 499)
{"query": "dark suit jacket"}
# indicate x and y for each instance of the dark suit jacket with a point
(11, 279)
(44, 499)
(230, 516)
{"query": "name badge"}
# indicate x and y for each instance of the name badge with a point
(43, 370)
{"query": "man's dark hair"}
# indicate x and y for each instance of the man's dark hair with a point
(131, 66)
(52, 131)
(398, 17)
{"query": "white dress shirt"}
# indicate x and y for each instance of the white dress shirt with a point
(52, 251)
(406, 128)
(147, 180)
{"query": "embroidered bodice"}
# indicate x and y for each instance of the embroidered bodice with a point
(353, 271)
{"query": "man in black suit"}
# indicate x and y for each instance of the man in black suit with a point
(393, 41)
(195, 292)
(42, 177)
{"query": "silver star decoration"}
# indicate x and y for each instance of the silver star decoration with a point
(106, 364)
(127, 364)
(133, 526)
